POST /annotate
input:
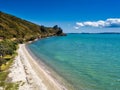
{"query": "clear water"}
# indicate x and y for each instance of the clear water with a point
(87, 61)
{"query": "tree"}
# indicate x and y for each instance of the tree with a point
(55, 27)
(42, 29)
(2, 52)
(59, 31)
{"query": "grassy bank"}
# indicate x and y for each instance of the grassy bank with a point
(7, 55)
(6, 85)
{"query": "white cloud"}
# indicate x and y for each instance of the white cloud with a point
(110, 22)
(76, 27)
(79, 24)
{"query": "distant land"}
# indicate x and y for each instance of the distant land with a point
(98, 33)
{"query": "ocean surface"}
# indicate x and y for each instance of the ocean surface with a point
(86, 61)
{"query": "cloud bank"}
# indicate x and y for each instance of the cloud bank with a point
(108, 23)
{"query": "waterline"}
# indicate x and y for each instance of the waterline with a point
(87, 61)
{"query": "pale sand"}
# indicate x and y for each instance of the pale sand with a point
(31, 74)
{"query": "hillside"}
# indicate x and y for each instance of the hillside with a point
(15, 28)
(13, 31)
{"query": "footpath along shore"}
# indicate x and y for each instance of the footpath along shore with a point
(30, 74)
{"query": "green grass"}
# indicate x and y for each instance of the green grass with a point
(3, 83)
(11, 86)
(7, 57)
(3, 75)
(6, 65)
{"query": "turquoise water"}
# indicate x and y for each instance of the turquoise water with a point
(86, 61)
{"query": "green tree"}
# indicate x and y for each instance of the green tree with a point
(55, 27)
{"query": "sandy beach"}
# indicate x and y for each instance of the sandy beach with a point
(30, 75)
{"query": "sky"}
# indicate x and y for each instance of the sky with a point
(73, 16)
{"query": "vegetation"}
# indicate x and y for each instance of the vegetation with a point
(3, 76)
(13, 31)
(7, 49)
(21, 30)
(7, 52)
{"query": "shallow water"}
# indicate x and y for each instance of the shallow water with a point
(86, 61)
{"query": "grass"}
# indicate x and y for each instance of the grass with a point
(7, 57)
(6, 65)
(4, 74)
(7, 85)
(11, 86)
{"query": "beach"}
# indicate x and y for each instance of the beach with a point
(30, 75)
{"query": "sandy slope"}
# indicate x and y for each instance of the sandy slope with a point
(31, 75)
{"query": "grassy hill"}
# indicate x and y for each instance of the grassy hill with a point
(12, 27)
(14, 30)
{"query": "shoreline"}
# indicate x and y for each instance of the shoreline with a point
(51, 71)
(30, 75)
(48, 80)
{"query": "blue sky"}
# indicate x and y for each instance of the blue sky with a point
(65, 13)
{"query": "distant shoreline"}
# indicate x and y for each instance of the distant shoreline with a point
(97, 33)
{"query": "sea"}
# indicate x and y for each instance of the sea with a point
(85, 61)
